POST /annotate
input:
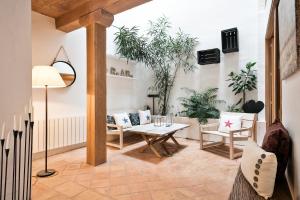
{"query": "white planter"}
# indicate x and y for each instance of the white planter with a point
(191, 132)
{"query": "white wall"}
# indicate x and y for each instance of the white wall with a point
(46, 41)
(290, 116)
(202, 19)
(205, 20)
(15, 56)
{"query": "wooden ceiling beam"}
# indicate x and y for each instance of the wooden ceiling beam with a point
(69, 21)
(100, 16)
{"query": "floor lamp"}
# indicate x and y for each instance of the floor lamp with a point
(46, 77)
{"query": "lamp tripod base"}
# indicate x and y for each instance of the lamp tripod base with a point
(45, 173)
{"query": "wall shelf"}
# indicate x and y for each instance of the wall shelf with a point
(230, 40)
(120, 77)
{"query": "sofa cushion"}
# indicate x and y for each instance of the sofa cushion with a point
(134, 118)
(259, 168)
(229, 122)
(145, 117)
(122, 119)
(110, 120)
(277, 140)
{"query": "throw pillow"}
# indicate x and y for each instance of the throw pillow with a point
(229, 123)
(134, 118)
(145, 117)
(277, 141)
(259, 168)
(122, 119)
(110, 120)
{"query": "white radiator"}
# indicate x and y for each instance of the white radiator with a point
(62, 132)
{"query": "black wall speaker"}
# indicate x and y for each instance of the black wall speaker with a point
(230, 40)
(210, 56)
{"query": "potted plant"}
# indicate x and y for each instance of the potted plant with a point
(201, 105)
(163, 53)
(243, 82)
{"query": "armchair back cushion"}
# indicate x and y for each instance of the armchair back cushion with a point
(229, 123)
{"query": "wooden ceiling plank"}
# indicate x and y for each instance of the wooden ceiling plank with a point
(123, 5)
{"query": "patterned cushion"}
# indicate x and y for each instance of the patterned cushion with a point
(229, 123)
(259, 168)
(145, 117)
(134, 118)
(122, 119)
(110, 120)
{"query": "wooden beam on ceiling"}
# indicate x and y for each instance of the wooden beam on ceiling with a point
(99, 16)
(67, 13)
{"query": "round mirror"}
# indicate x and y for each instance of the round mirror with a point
(66, 71)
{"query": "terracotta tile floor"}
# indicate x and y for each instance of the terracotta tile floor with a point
(130, 175)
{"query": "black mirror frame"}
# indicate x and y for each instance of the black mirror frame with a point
(68, 63)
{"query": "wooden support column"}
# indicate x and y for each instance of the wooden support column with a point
(96, 94)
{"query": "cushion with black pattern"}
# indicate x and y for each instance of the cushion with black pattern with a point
(134, 118)
(110, 120)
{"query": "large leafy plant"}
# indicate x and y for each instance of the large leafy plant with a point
(243, 82)
(162, 53)
(201, 105)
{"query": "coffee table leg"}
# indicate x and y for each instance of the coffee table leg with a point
(148, 141)
(174, 140)
(165, 149)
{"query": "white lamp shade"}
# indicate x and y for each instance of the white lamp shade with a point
(43, 76)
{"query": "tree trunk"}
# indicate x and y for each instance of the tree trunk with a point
(244, 97)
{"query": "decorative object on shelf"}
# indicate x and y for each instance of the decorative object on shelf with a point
(64, 67)
(253, 107)
(243, 82)
(112, 71)
(178, 53)
(46, 77)
(125, 73)
(122, 73)
(210, 56)
(230, 40)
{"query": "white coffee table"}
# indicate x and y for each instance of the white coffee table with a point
(158, 134)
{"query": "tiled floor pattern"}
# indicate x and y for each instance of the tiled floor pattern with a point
(190, 174)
